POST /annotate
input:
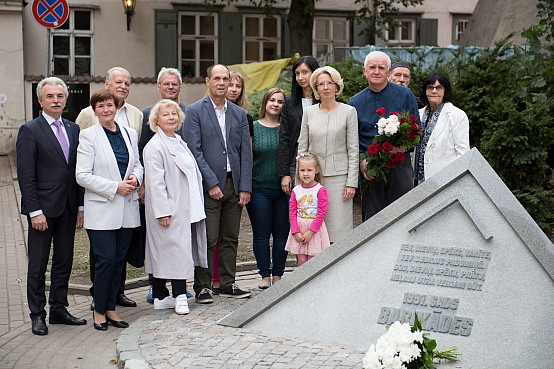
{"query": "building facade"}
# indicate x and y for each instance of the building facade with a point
(178, 34)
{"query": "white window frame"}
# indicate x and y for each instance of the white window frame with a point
(261, 39)
(72, 33)
(330, 42)
(465, 22)
(197, 37)
(398, 29)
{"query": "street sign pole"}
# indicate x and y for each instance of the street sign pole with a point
(47, 52)
(50, 14)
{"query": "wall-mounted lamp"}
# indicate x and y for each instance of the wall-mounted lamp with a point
(129, 6)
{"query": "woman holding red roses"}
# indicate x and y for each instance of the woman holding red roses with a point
(445, 128)
(330, 131)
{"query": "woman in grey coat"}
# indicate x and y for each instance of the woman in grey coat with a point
(175, 219)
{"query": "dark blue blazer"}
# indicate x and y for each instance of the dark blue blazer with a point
(203, 136)
(46, 180)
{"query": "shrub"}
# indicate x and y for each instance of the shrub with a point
(256, 97)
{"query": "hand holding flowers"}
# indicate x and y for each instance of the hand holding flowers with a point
(396, 134)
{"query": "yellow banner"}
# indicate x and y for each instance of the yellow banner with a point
(260, 75)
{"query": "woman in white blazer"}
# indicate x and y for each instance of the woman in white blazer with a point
(175, 220)
(445, 128)
(109, 169)
(330, 131)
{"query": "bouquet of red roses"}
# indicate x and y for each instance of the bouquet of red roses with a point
(396, 130)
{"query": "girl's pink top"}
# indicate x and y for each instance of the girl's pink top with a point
(308, 203)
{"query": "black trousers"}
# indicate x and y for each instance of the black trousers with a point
(160, 291)
(93, 260)
(400, 180)
(110, 247)
(60, 233)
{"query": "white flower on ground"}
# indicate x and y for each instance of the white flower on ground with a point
(371, 360)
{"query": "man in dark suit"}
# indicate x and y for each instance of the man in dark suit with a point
(216, 132)
(52, 200)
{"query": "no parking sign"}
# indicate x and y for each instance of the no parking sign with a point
(50, 13)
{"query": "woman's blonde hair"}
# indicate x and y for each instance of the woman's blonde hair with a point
(241, 100)
(308, 156)
(267, 96)
(335, 77)
(155, 112)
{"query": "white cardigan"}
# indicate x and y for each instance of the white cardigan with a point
(98, 173)
(449, 140)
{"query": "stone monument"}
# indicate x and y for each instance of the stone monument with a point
(459, 250)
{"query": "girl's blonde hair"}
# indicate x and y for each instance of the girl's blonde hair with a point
(307, 156)
(241, 100)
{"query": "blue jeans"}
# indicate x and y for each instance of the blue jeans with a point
(268, 211)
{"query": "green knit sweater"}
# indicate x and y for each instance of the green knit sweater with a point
(265, 143)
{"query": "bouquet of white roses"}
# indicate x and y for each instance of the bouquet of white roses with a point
(405, 347)
(388, 126)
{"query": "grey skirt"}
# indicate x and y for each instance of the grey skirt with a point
(339, 218)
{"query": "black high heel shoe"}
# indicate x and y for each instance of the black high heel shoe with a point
(117, 323)
(99, 326)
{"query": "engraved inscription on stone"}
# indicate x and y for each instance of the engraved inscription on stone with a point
(451, 267)
(436, 313)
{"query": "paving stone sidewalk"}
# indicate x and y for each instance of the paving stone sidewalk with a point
(161, 339)
(156, 339)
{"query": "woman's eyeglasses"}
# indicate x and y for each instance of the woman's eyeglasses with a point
(437, 87)
(325, 84)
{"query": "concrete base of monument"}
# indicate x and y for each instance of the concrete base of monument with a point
(458, 250)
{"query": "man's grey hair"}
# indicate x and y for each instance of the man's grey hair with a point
(119, 69)
(51, 81)
(172, 71)
(400, 65)
(377, 55)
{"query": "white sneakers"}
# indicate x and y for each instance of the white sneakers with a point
(167, 303)
(179, 303)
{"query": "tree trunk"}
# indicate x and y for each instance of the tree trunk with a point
(301, 22)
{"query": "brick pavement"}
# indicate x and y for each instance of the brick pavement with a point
(161, 339)
(156, 339)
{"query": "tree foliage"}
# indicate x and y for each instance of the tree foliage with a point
(546, 13)
(377, 14)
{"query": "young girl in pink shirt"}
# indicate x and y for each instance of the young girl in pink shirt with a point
(307, 207)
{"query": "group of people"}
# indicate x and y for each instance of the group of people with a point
(191, 171)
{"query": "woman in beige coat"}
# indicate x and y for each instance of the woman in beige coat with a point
(175, 219)
(330, 131)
